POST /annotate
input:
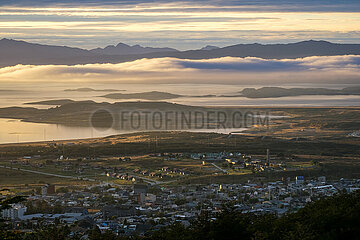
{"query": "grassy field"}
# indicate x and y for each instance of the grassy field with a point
(11, 178)
(176, 142)
(310, 166)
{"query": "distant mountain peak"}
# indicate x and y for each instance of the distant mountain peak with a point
(124, 49)
(8, 40)
(121, 45)
(15, 52)
(209, 47)
(311, 41)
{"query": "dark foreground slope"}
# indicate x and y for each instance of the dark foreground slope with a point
(336, 217)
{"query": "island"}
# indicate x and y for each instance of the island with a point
(275, 92)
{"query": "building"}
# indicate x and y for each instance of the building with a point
(322, 179)
(15, 212)
(118, 211)
(48, 189)
(140, 188)
(300, 179)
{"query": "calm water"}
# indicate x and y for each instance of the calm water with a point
(16, 131)
(13, 131)
(38, 92)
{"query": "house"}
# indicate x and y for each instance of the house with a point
(48, 189)
(140, 188)
(300, 180)
(118, 211)
(196, 156)
(322, 179)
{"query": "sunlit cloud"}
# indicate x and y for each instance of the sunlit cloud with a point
(255, 5)
(178, 24)
(228, 70)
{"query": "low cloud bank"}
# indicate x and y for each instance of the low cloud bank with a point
(227, 70)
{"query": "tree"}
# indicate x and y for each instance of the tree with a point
(6, 202)
(95, 233)
(53, 232)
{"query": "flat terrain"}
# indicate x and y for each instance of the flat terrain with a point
(20, 180)
(308, 141)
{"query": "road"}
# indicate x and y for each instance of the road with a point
(147, 180)
(42, 173)
(223, 170)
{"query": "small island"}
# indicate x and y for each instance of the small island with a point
(92, 90)
(275, 92)
(154, 95)
(56, 102)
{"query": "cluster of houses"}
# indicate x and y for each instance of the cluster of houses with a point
(122, 176)
(354, 134)
(163, 173)
(237, 160)
(228, 160)
(141, 208)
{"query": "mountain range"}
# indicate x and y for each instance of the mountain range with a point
(13, 52)
(124, 49)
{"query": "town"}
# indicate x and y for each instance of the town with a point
(127, 199)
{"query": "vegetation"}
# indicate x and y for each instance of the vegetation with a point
(11, 178)
(150, 142)
(5, 202)
(336, 217)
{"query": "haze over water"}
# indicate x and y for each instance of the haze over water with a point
(21, 94)
(14, 131)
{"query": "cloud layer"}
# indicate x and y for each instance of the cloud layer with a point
(255, 5)
(178, 24)
(228, 70)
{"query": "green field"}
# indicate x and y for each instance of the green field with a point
(14, 178)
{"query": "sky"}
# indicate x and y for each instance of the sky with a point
(185, 25)
(178, 24)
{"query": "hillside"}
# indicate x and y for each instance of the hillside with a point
(79, 113)
(21, 52)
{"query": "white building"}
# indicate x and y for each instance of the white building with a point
(300, 180)
(15, 212)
